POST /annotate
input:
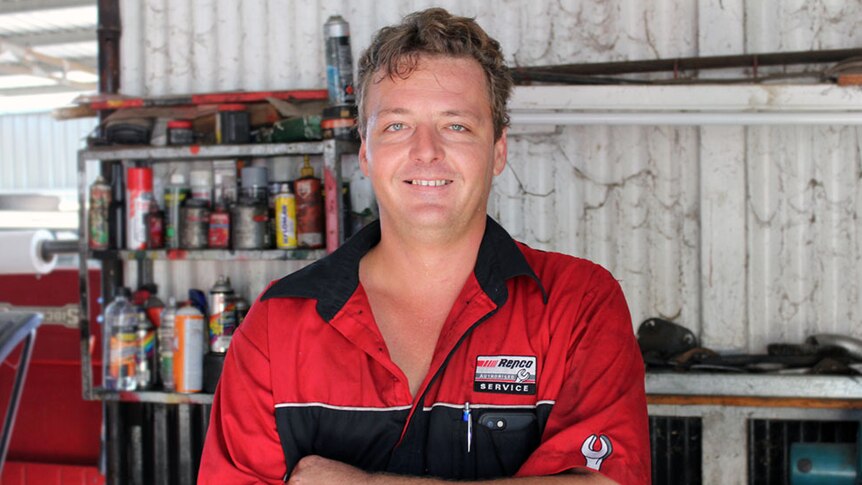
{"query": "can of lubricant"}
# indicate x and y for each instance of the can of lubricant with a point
(219, 228)
(285, 218)
(339, 61)
(222, 321)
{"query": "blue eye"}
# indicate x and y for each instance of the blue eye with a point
(457, 127)
(395, 127)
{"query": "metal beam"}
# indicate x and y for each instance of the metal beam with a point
(29, 6)
(51, 38)
(59, 88)
(27, 56)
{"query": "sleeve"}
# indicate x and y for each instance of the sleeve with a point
(242, 444)
(599, 420)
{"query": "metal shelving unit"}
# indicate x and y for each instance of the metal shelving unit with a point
(154, 436)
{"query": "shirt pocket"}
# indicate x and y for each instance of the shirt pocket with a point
(500, 442)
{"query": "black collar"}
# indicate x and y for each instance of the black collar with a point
(333, 280)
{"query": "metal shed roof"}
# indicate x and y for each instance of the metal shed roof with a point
(47, 46)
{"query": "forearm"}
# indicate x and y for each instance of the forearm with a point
(316, 470)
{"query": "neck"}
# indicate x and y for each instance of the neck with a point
(421, 261)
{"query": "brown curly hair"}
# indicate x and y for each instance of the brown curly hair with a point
(396, 50)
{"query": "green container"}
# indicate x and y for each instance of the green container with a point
(304, 128)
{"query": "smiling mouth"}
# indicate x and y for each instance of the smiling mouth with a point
(429, 183)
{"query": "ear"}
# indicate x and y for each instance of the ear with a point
(500, 153)
(363, 157)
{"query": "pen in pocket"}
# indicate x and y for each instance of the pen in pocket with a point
(465, 416)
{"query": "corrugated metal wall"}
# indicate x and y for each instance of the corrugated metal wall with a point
(746, 235)
(38, 153)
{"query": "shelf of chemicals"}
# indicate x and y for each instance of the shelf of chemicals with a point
(210, 254)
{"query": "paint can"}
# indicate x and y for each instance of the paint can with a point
(180, 132)
(194, 224)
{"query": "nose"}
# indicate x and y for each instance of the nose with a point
(426, 145)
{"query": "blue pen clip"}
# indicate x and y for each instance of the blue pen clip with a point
(465, 416)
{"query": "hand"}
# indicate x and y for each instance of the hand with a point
(314, 470)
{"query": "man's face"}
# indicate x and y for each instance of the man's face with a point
(429, 146)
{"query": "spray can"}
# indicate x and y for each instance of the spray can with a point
(222, 322)
(250, 217)
(285, 218)
(339, 61)
(117, 209)
(189, 352)
(97, 220)
(167, 343)
(120, 343)
(309, 208)
(242, 308)
(145, 357)
(140, 196)
(176, 194)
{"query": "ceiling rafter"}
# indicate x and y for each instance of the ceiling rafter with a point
(28, 6)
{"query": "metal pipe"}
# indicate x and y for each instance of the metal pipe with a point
(692, 63)
(50, 248)
(109, 46)
(685, 118)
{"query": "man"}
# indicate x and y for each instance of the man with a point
(431, 344)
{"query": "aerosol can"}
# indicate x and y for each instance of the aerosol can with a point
(339, 61)
(167, 344)
(189, 353)
(222, 321)
(145, 358)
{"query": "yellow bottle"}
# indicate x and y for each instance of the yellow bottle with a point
(285, 218)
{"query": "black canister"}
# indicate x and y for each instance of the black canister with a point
(233, 124)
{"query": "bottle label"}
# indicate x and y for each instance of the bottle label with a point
(285, 221)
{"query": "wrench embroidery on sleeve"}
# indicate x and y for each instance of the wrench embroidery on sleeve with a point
(596, 457)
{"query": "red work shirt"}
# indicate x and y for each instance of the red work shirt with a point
(536, 372)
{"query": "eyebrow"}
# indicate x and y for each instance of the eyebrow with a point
(448, 113)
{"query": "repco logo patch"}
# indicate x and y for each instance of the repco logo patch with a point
(507, 374)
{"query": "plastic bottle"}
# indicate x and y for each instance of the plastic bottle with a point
(189, 351)
(167, 343)
(120, 343)
(176, 194)
(309, 208)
